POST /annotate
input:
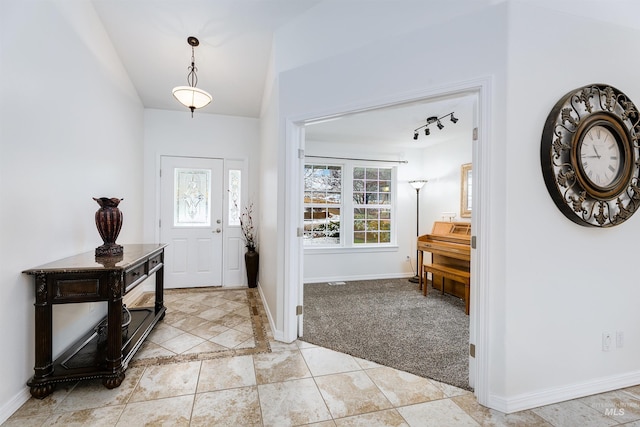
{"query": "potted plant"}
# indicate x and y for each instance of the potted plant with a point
(251, 258)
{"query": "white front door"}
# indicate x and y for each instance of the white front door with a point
(191, 201)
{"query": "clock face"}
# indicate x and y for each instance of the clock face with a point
(600, 157)
(590, 156)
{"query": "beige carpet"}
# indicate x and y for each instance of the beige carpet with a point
(390, 322)
(204, 323)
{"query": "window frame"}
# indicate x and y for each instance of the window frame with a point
(339, 206)
(372, 206)
(348, 205)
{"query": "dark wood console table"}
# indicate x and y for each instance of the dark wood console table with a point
(105, 350)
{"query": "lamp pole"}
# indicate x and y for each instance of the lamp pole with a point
(417, 184)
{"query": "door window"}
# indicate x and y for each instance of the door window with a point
(192, 198)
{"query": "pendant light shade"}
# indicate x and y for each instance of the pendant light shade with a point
(190, 96)
(417, 184)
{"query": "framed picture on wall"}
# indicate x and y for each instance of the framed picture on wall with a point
(465, 190)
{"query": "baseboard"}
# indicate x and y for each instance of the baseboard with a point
(14, 404)
(358, 277)
(561, 394)
(278, 335)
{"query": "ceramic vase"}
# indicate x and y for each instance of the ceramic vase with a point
(251, 260)
(109, 223)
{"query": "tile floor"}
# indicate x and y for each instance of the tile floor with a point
(293, 384)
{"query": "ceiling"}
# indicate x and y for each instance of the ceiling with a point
(395, 125)
(233, 62)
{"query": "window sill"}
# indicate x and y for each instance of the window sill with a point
(352, 249)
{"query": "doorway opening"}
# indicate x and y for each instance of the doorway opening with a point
(478, 93)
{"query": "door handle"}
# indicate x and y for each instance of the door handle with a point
(217, 231)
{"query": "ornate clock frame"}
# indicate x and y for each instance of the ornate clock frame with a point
(578, 197)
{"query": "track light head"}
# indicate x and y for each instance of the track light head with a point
(432, 120)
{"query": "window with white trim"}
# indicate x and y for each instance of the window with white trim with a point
(371, 205)
(348, 205)
(322, 204)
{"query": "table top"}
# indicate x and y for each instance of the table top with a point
(132, 253)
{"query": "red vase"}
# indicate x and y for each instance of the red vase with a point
(109, 223)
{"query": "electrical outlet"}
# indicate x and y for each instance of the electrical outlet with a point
(408, 258)
(606, 341)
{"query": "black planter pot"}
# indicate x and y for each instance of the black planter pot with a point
(251, 260)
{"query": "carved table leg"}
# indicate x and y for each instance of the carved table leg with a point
(159, 305)
(113, 381)
(43, 341)
(114, 333)
(41, 391)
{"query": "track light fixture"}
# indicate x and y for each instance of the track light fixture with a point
(431, 120)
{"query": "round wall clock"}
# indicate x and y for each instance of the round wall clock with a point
(589, 156)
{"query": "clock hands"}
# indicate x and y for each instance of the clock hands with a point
(595, 150)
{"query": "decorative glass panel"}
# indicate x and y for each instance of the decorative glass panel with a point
(192, 198)
(234, 196)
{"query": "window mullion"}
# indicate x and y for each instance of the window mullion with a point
(347, 192)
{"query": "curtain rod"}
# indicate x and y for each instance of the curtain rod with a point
(363, 160)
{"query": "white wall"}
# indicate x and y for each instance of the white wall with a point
(353, 26)
(544, 319)
(441, 166)
(70, 130)
(387, 71)
(271, 188)
(583, 281)
(174, 133)
(233, 139)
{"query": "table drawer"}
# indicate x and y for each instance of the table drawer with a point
(155, 262)
(134, 275)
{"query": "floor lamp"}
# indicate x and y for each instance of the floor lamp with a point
(417, 184)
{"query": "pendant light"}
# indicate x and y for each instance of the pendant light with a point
(190, 96)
